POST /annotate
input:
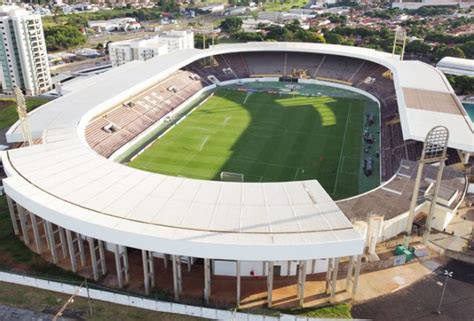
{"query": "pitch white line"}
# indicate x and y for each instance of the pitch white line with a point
(203, 143)
(296, 173)
(342, 149)
(246, 97)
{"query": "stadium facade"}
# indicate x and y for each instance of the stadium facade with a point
(70, 201)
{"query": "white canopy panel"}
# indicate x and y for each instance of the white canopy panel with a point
(69, 185)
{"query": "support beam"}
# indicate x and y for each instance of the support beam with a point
(13, 214)
(355, 282)
(176, 263)
(207, 280)
(189, 263)
(80, 247)
(51, 241)
(23, 224)
(328, 274)
(34, 225)
(350, 272)
(334, 278)
(238, 282)
(148, 270)
(434, 199)
(62, 241)
(96, 248)
(121, 265)
(413, 204)
(72, 252)
(270, 283)
(301, 281)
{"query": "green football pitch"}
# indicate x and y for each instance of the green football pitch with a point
(268, 138)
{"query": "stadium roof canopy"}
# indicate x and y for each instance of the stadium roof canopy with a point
(64, 181)
(424, 96)
(456, 66)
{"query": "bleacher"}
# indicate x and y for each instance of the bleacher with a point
(118, 126)
(130, 120)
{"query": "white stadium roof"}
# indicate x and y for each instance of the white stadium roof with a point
(456, 66)
(64, 181)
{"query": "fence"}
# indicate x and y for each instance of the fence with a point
(144, 303)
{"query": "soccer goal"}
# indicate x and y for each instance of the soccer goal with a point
(232, 177)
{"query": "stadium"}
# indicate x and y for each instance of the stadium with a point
(213, 173)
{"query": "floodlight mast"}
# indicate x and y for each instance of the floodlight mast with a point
(23, 115)
(435, 150)
(399, 41)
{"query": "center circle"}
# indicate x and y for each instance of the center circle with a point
(266, 129)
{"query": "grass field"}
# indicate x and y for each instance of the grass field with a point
(8, 114)
(267, 137)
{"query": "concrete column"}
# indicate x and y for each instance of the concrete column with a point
(288, 268)
(13, 215)
(34, 225)
(118, 266)
(189, 263)
(355, 283)
(52, 241)
(301, 281)
(102, 257)
(467, 155)
(180, 274)
(328, 274)
(62, 241)
(313, 266)
(97, 258)
(434, 199)
(80, 247)
(270, 283)
(23, 224)
(350, 273)
(148, 270)
(334, 278)
(238, 282)
(175, 277)
(92, 249)
(72, 252)
(413, 203)
(207, 280)
(166, 257)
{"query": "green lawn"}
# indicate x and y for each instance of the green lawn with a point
(8, 114)
(268, 138)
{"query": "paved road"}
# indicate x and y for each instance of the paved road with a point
(419, 301)
(8, 313)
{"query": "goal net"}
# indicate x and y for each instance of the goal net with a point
(232, 177)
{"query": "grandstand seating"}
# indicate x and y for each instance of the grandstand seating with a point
(132, 118)
(129, 120)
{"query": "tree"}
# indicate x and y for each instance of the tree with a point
(445, 51)
(468, 49)
(333, 38)
(418, 46)
(63, 37)
(464, 85)
(231, 24)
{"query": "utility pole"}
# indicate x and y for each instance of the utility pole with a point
(448, 275)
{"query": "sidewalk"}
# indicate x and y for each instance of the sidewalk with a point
(382, 282)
